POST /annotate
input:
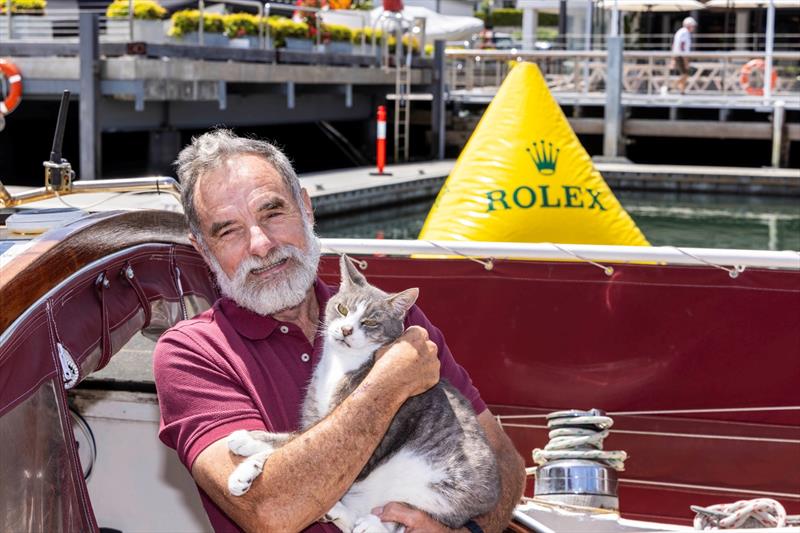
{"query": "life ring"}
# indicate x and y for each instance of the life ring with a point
(755, 65)
(14, 80)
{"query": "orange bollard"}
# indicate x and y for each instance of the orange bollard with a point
(380, 157)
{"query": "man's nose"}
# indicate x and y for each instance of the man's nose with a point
(260, 243)
(347, 331)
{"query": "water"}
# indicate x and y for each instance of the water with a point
(678, 219)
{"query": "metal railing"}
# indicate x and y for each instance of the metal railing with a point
(644, 73)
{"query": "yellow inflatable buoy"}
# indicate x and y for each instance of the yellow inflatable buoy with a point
(525, 177)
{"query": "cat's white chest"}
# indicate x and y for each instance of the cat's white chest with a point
(333, 366)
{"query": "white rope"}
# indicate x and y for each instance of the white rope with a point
(763, 512)
(488, 264)
(674, 411)
(732, 272)
(569, 442)
(607, 270)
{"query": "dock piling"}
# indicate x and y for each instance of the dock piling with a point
(89, 97)
(778, 122)
(438, 103)
(612, 132)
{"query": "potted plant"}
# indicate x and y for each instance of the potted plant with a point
(362, 41)
(242, 30)
(148, 21)
(186, 23)
(292, 35)
(28, 21)
(337, 38)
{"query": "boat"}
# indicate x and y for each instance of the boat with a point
(694, 352)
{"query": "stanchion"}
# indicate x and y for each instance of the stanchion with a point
(380, 157)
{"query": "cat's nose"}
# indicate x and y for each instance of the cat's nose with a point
(347, 331)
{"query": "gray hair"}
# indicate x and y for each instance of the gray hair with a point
(210, 150)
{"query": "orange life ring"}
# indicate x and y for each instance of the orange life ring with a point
(14, 79)
(755, 65)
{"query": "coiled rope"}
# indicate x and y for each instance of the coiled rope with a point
(579, 435)
(761, 512)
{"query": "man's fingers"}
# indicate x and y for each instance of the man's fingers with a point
(397, 512)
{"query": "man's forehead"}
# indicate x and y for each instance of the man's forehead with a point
(240, 176)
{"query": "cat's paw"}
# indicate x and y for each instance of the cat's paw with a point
(340, 516)
(370, 524)
(241, 443)
(242, 478)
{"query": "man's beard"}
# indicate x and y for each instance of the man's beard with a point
(282, 290)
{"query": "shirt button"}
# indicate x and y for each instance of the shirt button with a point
(305, 358)
(284, 329)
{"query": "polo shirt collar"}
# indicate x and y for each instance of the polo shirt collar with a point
(257, 327)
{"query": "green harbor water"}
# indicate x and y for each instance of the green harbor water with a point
(677, 219)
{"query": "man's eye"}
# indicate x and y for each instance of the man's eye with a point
(342, 309)
(369, 323)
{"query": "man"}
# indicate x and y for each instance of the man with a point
(681, 47)
(244, 364)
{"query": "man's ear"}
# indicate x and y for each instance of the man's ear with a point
(307, 205)
(199, 247)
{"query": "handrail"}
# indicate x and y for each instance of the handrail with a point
(588, 252)
(156, 184)
(512, 54)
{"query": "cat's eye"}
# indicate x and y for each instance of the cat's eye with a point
(369, 323)
(342, 309)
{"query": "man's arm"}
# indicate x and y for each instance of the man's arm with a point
(303, 479)
(512, 483)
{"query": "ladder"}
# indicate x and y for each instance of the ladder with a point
(402, 108)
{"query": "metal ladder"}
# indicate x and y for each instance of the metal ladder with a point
(402, 109)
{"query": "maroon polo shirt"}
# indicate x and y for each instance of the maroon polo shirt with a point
(229, 368)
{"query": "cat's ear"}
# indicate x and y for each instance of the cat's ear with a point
(402, 301)
(349, 273)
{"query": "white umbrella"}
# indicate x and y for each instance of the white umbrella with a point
(653, 5)
(753, 4)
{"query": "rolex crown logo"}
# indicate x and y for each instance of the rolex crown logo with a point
(544, 157)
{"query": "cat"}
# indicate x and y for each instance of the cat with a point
(434, 455)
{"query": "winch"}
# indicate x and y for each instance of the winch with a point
(573, 467)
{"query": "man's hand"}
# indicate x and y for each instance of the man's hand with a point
(411, 361)
(414, 520)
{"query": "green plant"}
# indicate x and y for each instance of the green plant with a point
(25, 7)
(240, 24)
(282, 27)
(507, 17)
(188, 21)
(142, 10)
(337, 32)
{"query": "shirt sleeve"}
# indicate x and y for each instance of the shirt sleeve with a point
(200, 399)
(450, 369)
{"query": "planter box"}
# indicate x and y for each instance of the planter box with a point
(300, 45)
(249, 41)
(339, 47)
(151, 31)
(209, 39)
(27, 28)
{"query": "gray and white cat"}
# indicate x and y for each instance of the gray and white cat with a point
(434, 455)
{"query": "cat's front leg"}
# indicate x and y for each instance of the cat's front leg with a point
(341, 516)
(257, 446)
(247, 443)
(242, 477)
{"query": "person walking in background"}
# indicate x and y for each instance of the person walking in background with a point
(681, 47)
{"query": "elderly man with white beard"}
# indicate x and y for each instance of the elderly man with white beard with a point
(245, 363)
